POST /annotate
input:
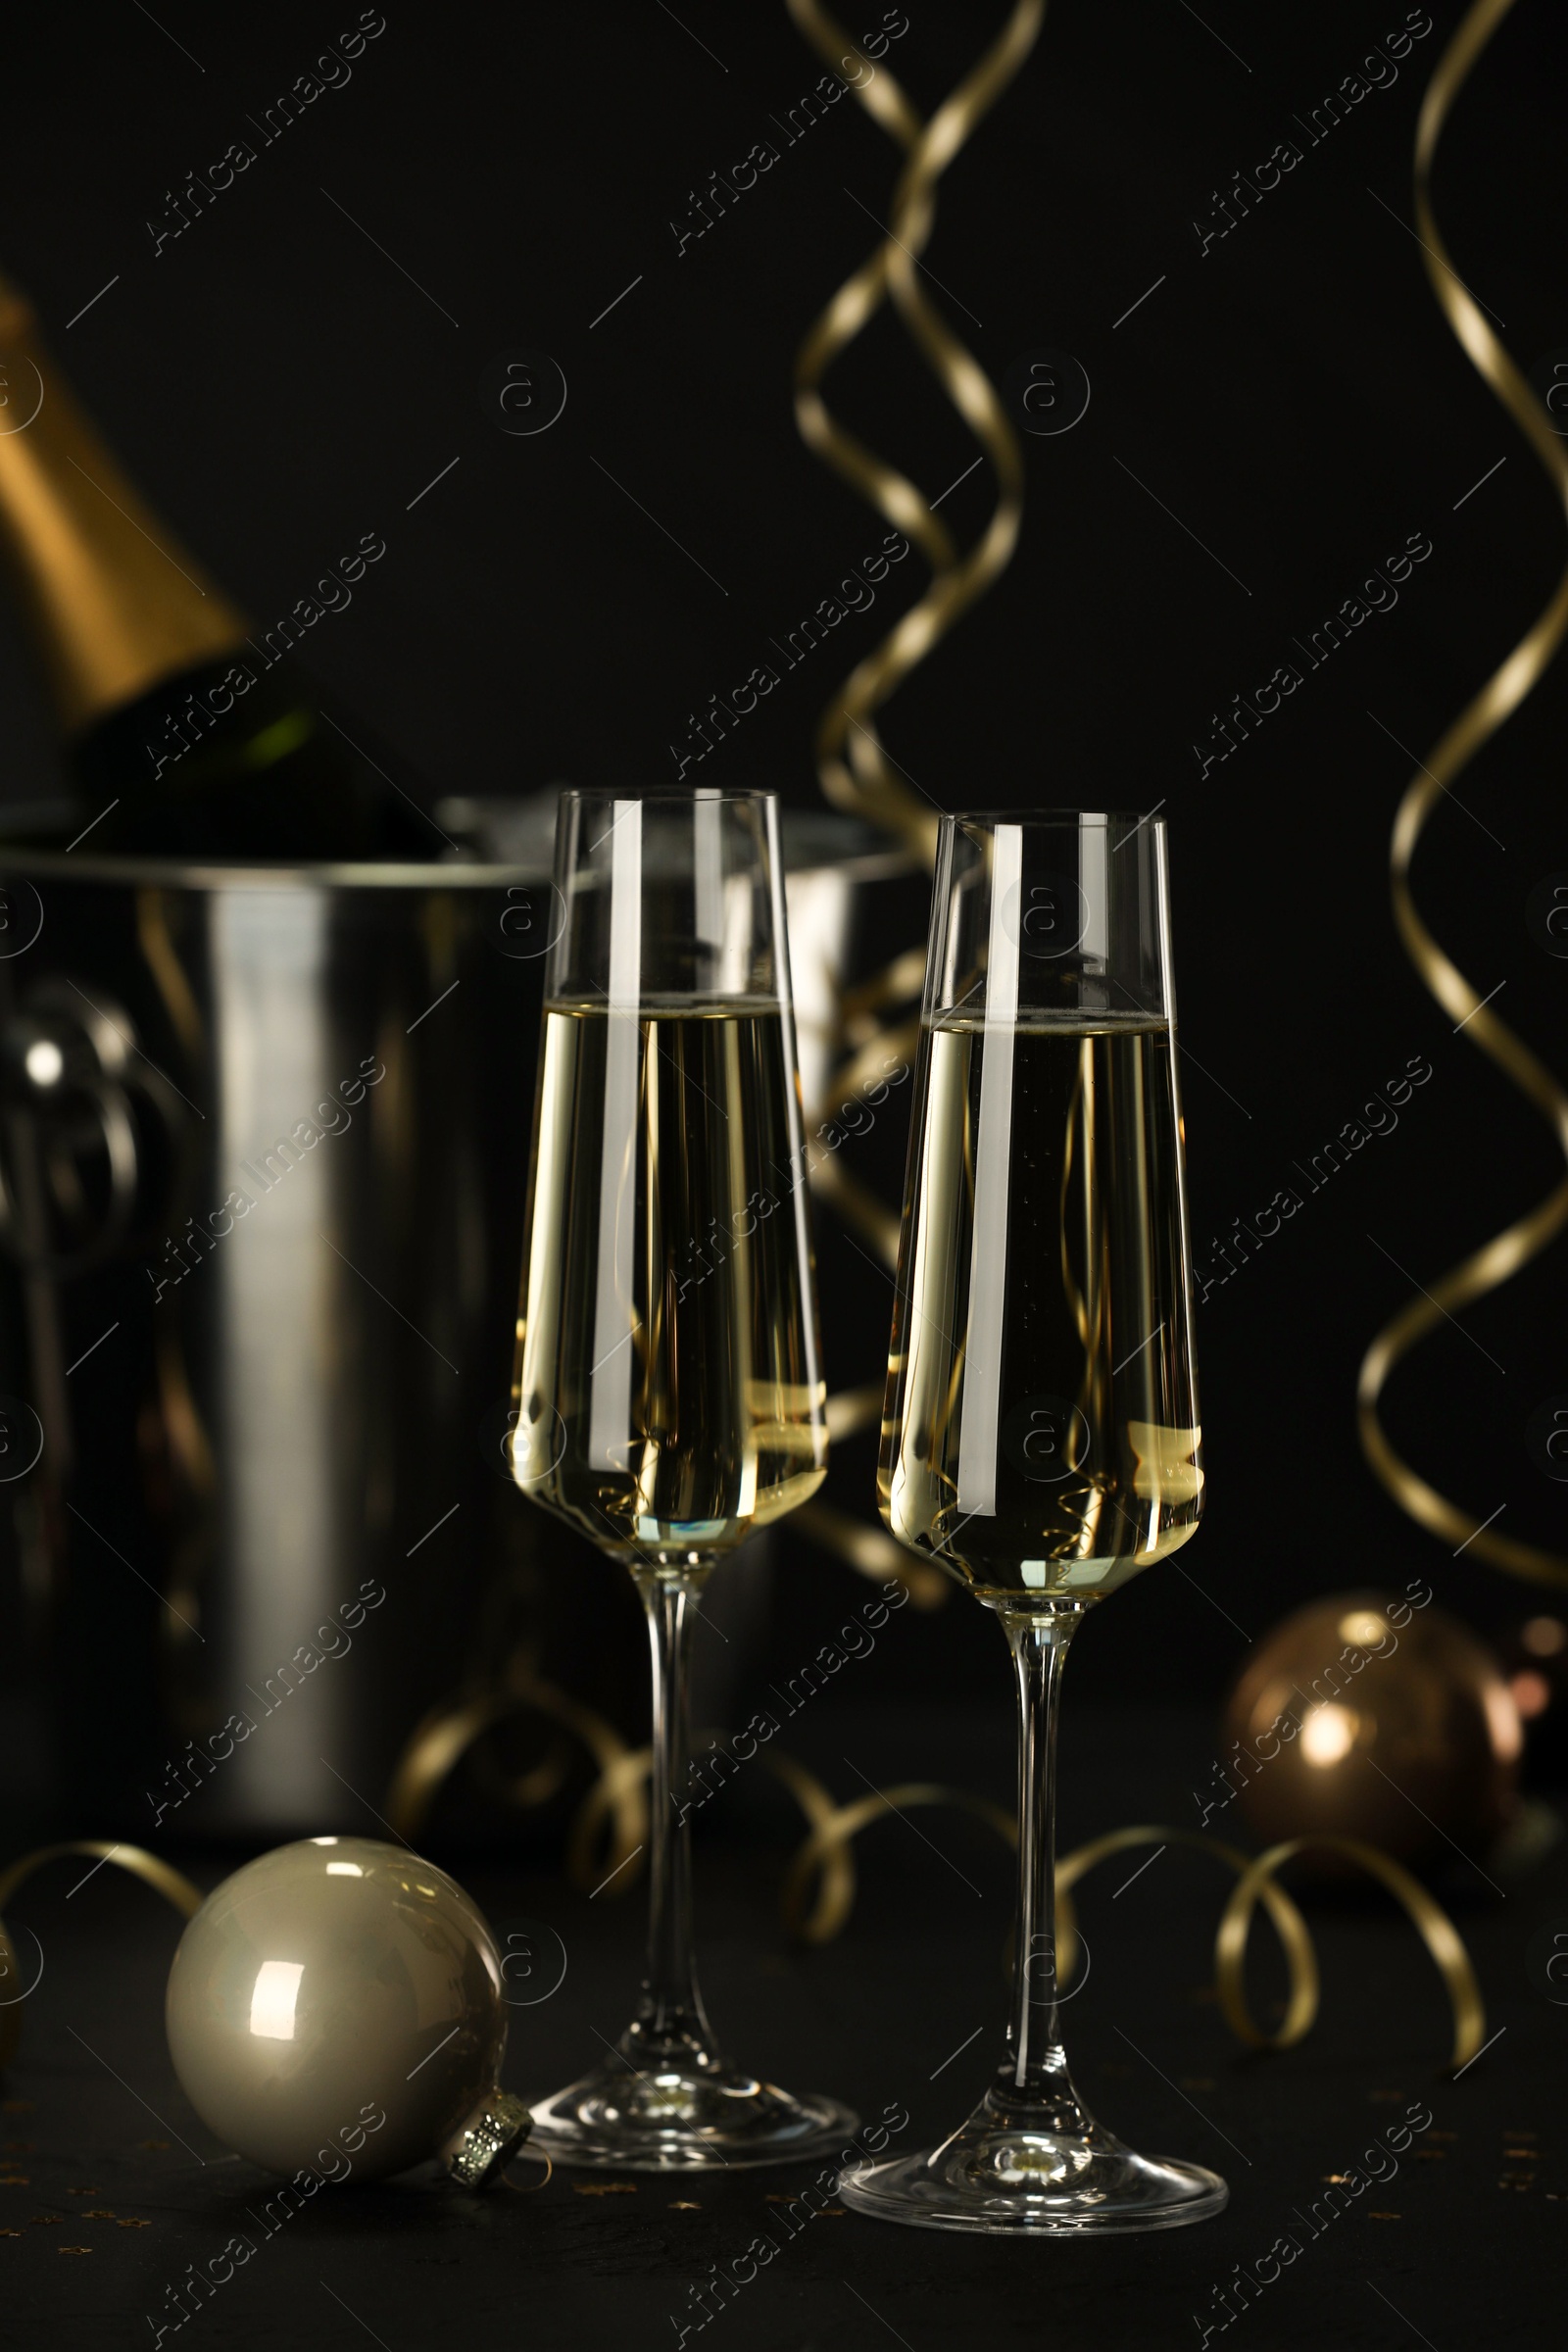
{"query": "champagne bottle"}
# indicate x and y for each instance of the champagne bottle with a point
(184, 736)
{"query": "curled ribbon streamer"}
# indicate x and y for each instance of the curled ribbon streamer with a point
(826, 1849)
(830, 1836)
(438, 1744)
(585, 1863)
(865, 1068)
(1296, 1939)
(1515, 677)
(1257, 1883)
(160, 1876)
(872, 1553)
(853, 1409)
(621, 1786)
(542, 2156)
(854, 1202)
(868, 785)
(858, 1207)
(897, 983)
(1432, 1923)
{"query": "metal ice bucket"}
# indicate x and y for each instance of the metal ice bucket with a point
(263, 1143)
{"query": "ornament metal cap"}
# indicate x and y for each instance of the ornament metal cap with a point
(479, 2152)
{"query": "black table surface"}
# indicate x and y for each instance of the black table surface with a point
(112, 2188)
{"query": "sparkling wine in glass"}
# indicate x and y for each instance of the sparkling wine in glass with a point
(670, 1398)
(1041, 1438)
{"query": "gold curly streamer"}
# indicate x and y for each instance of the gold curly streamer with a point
(864, 1068)
(826, 1853)
(827, 1846)
(160, 1876)
(538, 2155)
(868, 785)
(872, 1553)
(1432, 1923)
(1257, 1882)
(439, 1742)
(1515, 677)
(858, 1207)
(1296, 1942)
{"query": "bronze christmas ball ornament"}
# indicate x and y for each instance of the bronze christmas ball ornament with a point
(1369, 1715)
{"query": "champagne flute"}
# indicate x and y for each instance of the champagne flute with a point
(668, 1396)
(1041, 1438)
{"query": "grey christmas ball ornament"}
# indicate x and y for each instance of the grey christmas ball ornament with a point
(337, 2007)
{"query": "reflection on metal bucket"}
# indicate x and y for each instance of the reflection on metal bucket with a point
(262, 1168)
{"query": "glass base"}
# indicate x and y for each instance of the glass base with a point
(675, 2106)
(1006, 2170)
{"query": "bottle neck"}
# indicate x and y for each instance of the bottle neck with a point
(114, 602)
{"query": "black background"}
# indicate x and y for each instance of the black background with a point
(280, 386)
(1292, 394)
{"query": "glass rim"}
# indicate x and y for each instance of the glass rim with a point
(687, 793)
(1078, 817)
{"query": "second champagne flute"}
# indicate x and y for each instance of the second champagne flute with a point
(669, 1393)
(1041, 1438)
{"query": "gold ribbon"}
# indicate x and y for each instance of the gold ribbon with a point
(1432, 1923)
(824, 1853)
(1296, 1942)
(1514, 677)
(819, 1890)
(872, 1553)
(160, 1876)
(856, 771)
(871, 1048)
(446, 1734)
(867, 784)
(826, 1856)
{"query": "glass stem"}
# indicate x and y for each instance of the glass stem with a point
(670, 2011)
(1034, 2069)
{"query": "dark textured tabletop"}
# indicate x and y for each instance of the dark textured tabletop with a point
(113, 2190)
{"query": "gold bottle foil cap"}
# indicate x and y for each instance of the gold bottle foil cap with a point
(16, 314)
(485, 2146)
(116, 601)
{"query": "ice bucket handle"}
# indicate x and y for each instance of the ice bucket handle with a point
(64, 1105)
